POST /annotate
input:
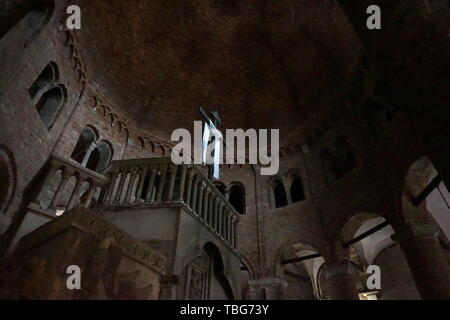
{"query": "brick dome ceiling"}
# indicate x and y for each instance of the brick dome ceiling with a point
(262, 64)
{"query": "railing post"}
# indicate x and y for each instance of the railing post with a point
(123, 178)
(182, 183)
(194, 194)
(109, 198)
(206, 204)
(189, 187)
(173, 172)
(76, 191)
(162, 182)
(154, 171)
(200, 199)
(65, 176)
(133, 174)
(144, 170)
(92, 188)
(220, 220)
(233, 231)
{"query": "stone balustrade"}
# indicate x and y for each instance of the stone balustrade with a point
(67, 184)
(144, 182)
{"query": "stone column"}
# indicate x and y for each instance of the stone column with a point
(144, 170)
(205, 204)
(151, 183)
(109, 198)
(65, 176)
(162, 182)
(219, 219)
(189, 187)
(342, 280)
(123, 178)
(133, 175)
(200, 199)
(76, 191)
(173, 172)
(194, 194)
(426, 260)
(182, 183)
(92, 188)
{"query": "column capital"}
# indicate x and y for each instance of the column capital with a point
(411, 231)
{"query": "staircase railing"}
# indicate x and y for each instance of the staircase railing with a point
(67, 184)
(141, 182)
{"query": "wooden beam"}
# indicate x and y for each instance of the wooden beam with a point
(366, 234)
(300, 259)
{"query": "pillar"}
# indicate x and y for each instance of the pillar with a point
(426, 259)
(341, 280)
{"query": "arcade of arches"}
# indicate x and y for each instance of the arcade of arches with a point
(85, 171)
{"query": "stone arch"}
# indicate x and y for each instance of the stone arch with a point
(100, 157)
(87, 138)
(236, 196)
(8, 177)
(295, 187)
(221, 187)
(421, 207)
(300, 277)
(204, 261)
(278, 193)
(50, 104)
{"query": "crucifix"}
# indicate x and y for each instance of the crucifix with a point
(211, 131)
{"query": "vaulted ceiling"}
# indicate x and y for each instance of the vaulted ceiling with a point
(261, 63)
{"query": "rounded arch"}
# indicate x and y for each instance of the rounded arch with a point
(296, 189)
(297, 262)
(87, 137)
(425, 198)
(237, 197)
(101, 157)
(8, 178)
(50, 104)
(278, 192)
(205, 261)
(46, 79)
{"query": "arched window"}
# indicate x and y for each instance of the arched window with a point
(50, 104)
(47, 95)
(33, 15)
(237, 198)
(279, 194)
(87, 138)
(297, 192)
(100, 158)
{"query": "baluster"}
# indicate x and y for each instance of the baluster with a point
(66, 174)
(228, 231)
(220, 220)
(194, 194)
(76, 191)
(144, 170)
(92, 188)
(109, 195)
(123, 178)
(234, 233)
(200, 199)
(189, 187)
(182, 183)
(133, 174)
(205, 204)
(154, 171)
(162, 182)
(213, 216)
(173, 171)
